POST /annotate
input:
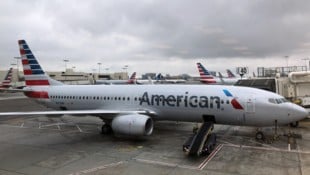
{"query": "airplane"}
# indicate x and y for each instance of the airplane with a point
(132, 110)
(132, 80)
(160, 79)
(6, 83)
(207, 78)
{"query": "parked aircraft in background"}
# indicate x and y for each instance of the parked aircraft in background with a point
(132, 80)
(160, 79)
(230, 74)
(131, 110)
(6, 83)
(207, 78)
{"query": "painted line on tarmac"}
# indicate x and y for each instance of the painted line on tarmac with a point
(92, 170)
(267, 149)
(165, 164)
(210, 157)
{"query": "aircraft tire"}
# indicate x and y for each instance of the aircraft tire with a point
(259, 135)
(294, 124)
(106, 129)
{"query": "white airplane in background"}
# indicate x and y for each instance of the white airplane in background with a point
(207, 78)
(160, 79)
(131, 109)
(6, 83)
(131, 80)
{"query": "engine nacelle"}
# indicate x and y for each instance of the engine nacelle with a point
(133, 124)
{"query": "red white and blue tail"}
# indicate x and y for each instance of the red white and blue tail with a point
(205, 76)
(132, 79)
(7, 79)
(230, 74)
(34, 74)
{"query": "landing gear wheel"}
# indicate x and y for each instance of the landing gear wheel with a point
(106, 129)
(294, 124)
(259, 135)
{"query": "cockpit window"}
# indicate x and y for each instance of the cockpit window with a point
(284, 100)
(277, 100)
(271, 100)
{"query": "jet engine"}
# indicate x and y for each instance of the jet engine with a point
(133, 124)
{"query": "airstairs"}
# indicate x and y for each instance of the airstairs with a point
(201, 143)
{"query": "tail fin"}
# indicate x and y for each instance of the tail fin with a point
(7, 79)
(220, 75)
(230, 74)
(205, 76)
(132, 78)
(34, 74)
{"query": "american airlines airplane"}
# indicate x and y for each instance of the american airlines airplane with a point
(131, 109)
(132, 80)
(6, 83)
(207, 78)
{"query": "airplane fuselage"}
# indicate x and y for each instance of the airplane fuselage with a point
(192, 103)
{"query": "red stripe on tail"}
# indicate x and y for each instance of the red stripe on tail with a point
(37, 82)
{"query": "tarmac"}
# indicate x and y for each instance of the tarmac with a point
(73, 145)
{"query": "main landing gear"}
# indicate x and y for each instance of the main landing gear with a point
(106, 129)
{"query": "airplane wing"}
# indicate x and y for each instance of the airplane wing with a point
(99, 112)
(14, 90)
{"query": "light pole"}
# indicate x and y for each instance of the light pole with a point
(286, 57)
(99, 66)
(17, 63)
(65, 60)
(125, 70)
(306, 59)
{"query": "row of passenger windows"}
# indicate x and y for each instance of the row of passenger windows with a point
(91, 98)
(111, 98)
(277, 100)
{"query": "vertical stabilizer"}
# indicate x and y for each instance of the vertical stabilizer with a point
(34, 74)
(7, 79)
(205, 76)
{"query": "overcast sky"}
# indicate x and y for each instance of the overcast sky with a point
(156, 36)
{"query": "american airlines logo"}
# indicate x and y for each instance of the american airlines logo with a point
(185, 100)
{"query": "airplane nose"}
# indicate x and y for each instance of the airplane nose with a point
(299, 113)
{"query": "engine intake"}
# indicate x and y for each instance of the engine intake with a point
(133, 124)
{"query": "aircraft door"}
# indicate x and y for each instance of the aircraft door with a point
(249, 110)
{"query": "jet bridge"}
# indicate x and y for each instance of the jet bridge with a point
(202, 142)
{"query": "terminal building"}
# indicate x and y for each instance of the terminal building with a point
(292, 82)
